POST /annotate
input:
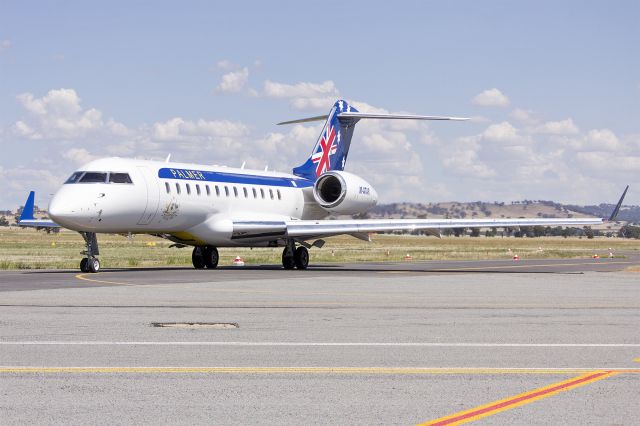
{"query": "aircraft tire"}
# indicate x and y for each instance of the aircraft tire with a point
(288, 261)
(301, 257)
(93, 265)
(210, 257)
(83, 265)
(197, 258)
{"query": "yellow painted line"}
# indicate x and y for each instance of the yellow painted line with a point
(82, 277)
(637, 360)
(520, 399)
(307, 370)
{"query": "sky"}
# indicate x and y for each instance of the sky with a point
(552, 87)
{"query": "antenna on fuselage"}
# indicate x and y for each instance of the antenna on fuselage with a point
(168, 158)
(243, 164)
(266, 167)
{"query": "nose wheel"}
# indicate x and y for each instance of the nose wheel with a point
(90, 262)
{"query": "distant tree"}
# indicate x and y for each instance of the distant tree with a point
(4, 221)
(588, 232)
(475, 232)
(539, 231)
(629, 231)
(459, 232)
(447, 232)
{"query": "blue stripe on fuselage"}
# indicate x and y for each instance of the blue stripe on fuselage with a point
(221, 177)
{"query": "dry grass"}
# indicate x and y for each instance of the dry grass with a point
(28, 249)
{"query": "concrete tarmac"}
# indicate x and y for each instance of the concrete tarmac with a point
(367, 343)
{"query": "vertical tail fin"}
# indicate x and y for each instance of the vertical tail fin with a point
(27, 211)
(332, 147)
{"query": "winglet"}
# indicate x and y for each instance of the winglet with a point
(27, 211)
(615, 212)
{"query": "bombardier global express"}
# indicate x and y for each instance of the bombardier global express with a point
(210, 206)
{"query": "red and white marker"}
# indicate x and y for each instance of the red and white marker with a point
(238, 261)
(408, 257)
(516, 257)
(596, 256)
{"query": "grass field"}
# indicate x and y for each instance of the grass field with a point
(29, 249)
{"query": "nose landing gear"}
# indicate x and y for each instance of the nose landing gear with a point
(90, 263)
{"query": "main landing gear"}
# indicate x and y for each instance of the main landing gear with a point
(205, 257)
(90, 262)
(293, 257)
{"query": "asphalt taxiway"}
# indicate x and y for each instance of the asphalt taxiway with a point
(541, 342)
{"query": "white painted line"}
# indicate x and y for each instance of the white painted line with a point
(329, 344)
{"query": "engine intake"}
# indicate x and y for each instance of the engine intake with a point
(344, 193)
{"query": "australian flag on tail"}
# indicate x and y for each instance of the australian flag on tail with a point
(332, 147)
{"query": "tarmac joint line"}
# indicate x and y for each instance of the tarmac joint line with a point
(520, 399)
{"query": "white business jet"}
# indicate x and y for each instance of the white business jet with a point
(209, 206)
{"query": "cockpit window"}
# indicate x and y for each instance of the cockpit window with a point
(119, 178)
(74, 177)
(94, 177)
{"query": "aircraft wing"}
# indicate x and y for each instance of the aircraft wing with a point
(309, 229)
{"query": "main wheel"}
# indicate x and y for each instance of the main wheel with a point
(197, 258)
(287, 260)
(211, 257)
(93, 264)
(301, 257)
(83, 265)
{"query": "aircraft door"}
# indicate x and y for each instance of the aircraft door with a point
(152, 195)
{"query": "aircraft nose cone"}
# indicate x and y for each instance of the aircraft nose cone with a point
(60, 210)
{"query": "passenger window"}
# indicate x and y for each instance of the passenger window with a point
(217, 191)
(235, 191)
(74, 177)
(178, 188)
(262, 193)
(188, 189)
(255, 193)
(208, 191)
(94, 177)
(279, 196)
(167, 187)
(246, 194)
(271, 193)
(226, 191)
(198, 189)
(119, 178)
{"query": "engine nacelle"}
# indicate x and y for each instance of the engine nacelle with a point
(344, 193)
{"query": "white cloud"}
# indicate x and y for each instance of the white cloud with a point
(299, 90)
(303, 95)
(562, 127)
(59, 115)
(178, 129)
(491, 98)
(603, 139)
(79, 156)
(525, 116)
(501, 132)
(226, 65)
(234, 81)
(5, 45)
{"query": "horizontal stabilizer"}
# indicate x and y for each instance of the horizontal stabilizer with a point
(398, 116)
(360, 115)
